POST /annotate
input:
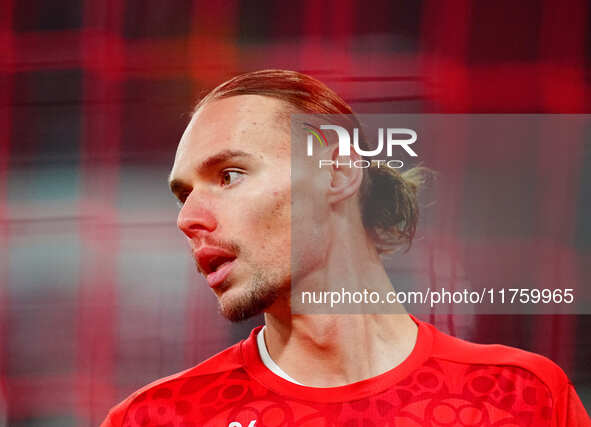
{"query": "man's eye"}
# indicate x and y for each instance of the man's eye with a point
(229, 177)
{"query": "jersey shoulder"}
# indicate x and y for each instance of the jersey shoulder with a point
(452, 349)
(196, 378)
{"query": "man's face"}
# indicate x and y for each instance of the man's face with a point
(231, 174)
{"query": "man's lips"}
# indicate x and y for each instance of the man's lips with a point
(217, 277)
(214, 263)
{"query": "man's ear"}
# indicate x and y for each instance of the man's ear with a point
(345, 176)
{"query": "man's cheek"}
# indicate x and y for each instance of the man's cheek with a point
(281, 208)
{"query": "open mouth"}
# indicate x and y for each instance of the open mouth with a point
(212, 259)
(215, 265)
(217, 262)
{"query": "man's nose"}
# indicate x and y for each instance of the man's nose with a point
(195, 218)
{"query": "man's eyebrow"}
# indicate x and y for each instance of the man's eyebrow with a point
(177, 185)
(221, 157)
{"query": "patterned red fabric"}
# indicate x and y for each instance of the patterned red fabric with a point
(444, 382)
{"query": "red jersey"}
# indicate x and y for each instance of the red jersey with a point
(445, 381)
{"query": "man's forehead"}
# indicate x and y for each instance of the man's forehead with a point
(251, 124)
(244, 120)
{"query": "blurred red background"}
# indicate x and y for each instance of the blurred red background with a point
(99, 295)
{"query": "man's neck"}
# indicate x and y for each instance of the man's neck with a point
(328, 350)
(334, 350)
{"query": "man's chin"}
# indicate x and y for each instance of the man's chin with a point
(237, 304)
